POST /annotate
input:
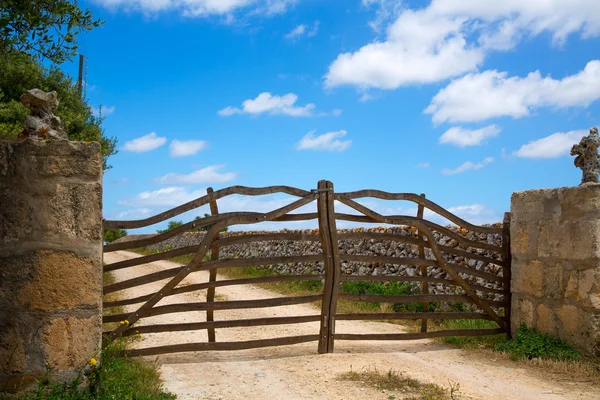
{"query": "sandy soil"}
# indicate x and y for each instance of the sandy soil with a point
(299, 372)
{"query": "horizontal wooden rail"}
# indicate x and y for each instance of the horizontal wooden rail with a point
(218, 305)
(379, 194)
(417, 242)
(250, 344)
(417, 278)
(207, 285)
(388, 260)
(142, 280)
(132, 262)
(411, 316)
(221, 263)
(412, 221)
(243, 190)
(220, 324)
(419, 335)
(224, 219)
(420, 298)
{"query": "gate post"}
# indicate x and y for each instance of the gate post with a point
(329, 242)
(214, 255)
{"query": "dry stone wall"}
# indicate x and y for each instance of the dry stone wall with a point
(555, 241)
(50, 259)
(389, 248)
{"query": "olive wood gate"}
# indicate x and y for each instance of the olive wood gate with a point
(488, 292)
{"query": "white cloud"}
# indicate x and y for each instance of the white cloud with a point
(451, 37)
(468, 166)
(145, 143)
(492, 94)
(122, 181)
(423, 165)
(183, 148)
(327, 142)
(201, 8)
(302, 30)
(208, 174)
(553, 146)
(134, 213)
(271, 104)
(462, 137)
(106, 110)
(167, 197)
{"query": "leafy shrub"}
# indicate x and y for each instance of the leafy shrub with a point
(529, 343)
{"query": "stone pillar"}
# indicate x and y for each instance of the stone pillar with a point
(555, 244)
(50, 259)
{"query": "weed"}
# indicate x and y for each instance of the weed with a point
(529, 344)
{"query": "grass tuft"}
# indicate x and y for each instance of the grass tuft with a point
(395, 382)
(529, 344)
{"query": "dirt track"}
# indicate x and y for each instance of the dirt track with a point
(298, 372)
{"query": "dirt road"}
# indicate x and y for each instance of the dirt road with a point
(298, 372)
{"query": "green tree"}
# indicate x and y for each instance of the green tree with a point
(170, 226)
(47, 29)
(207, 227)
(20, 72)
(110, 235)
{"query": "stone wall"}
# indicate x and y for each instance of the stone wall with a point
(50, 259)
(555, 243)
(278, 248)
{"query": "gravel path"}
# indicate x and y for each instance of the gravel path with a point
(299, 372)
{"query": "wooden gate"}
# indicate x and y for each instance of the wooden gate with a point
(488, 292)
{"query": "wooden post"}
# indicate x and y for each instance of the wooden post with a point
(506, 271)
(214, 255)
(335, 281)
(328, 233)
(80, 77)
(423, 269)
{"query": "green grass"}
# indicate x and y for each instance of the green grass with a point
(115, 378)
(395, 383)
(529, 343)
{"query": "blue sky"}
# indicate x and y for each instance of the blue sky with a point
(464, 100)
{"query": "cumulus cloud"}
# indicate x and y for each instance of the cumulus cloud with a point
(553, 146)
(135, 213)
(451, 37)
(271, 104)
(145, 143)
(183, 148)
(201, 8)
(463, 137)
(468, 166)
(492, 94)
(330, 141)
(423, 165)
(208, 174)
(169, 197)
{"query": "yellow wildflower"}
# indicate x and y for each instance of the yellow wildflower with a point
(93, 361)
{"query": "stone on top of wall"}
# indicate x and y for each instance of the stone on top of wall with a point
(555, 243)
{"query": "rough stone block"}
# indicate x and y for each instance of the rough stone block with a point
(68, 344)
(545, 321)
(579, 240)
(16, 216)
(12, 352)
(522, 313)
(60, 280)
(521, 245)
(577, 201)
(535, 204)
(572, 322)
(549, 238)
(528, 278)
(74, 211)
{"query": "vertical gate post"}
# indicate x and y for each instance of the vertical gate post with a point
(335, 272)
(210, 294)
(331, 256)
(423, 268)
(506, 271)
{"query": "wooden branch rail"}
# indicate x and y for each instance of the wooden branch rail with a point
(250, 344)
(332, 276)
(411, 316)
(419, 335)
(219, 305)
(236, 323)
(379, 194)
(216, 284)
